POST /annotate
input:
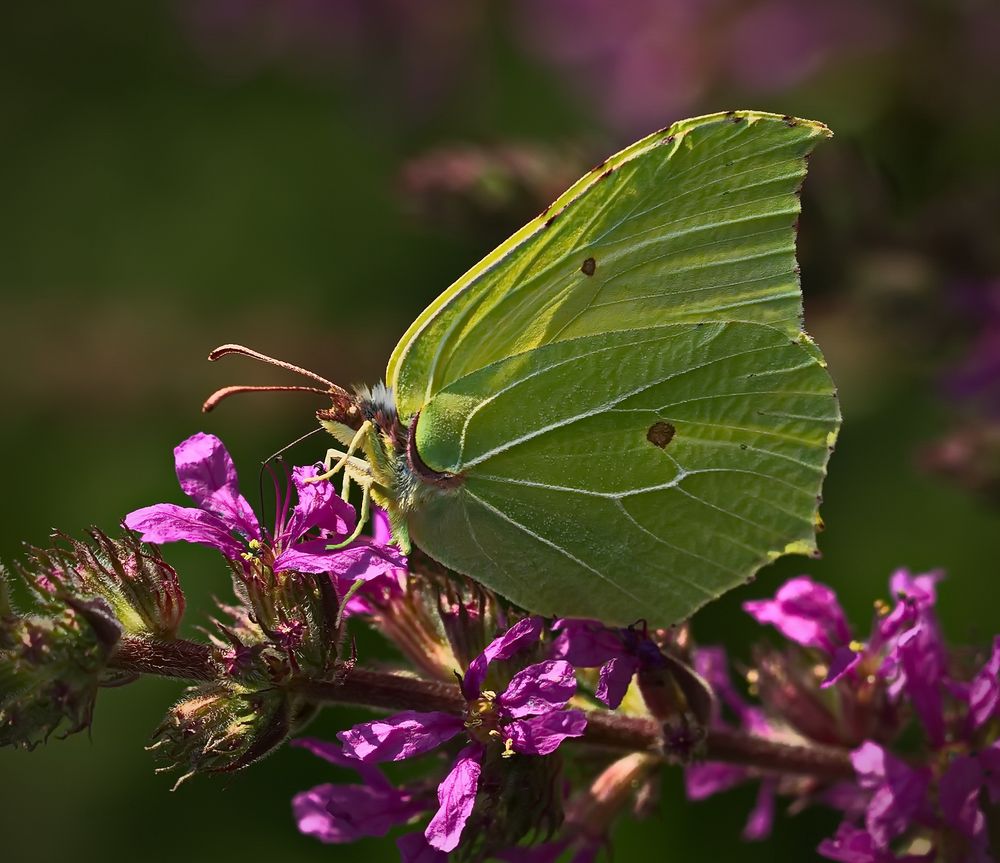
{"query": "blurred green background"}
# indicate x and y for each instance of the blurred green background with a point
(304, 176)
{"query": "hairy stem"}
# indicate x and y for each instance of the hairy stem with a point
(177, 658)
(392, 691)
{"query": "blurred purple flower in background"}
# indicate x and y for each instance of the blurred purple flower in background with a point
(638, 62)
(976, 377)
(416, 50)
(634, 63)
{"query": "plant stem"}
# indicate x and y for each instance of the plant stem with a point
(188, 660)
(392, 691)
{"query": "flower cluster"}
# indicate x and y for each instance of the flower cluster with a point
(225, 521)
(529, 737)
(86, 597)
(825, 687)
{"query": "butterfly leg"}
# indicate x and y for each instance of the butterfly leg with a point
(344, 457)
(366, 500)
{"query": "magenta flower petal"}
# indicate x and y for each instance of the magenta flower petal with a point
(359, 560)
(337, 814)
(520, 636)
(167, 522)
(959, 798)
(915, 595)
(334, 753)
(207, 475)
(381, 531)
(539, 688)
(921, 589)
(404, 735)
(712, 777)
(712, 664)
(805, 612)
(345, 813)
(319, 506)
(414, 848)
(853, 845)
(920, 656)
(761, 818)
(541, 735)
(984, 693)
(585, 643)
(457, 795)
(614, 679)
(842, 663)
(898, 791)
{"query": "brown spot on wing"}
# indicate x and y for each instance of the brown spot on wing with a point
(589, 267)
(660, 434)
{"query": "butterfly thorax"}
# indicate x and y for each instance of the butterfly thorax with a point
(398, 478)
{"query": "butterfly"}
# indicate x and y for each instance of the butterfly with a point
(615, 414)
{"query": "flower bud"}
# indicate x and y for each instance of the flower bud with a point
(592, 812)
(50, 668)
(223, 726)
(289, 625)
(140, 589)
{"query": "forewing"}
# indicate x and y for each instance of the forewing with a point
(630, 475)
(693, 223)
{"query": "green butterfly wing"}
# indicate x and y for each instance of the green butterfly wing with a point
(637, 419)
(693, 223)
(629, 475)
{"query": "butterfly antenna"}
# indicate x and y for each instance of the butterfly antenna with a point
(345, 406)
(224, 350)
(221, 395)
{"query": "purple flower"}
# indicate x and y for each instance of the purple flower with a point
(709, 778)
(224, 520)
(977, 376)
(619, 652)
(711, 663)
(913, 652)
(960, 792)
(337, 814)
(984, 692)
(809, 614)
(385, 586)
(905, 647)
(527, 718)
(657, 58)
(898, 792)
(414, 848)
(853, 845)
